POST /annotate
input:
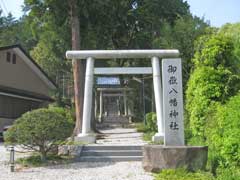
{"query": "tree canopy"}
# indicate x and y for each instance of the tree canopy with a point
(45, 29)
(108, 24)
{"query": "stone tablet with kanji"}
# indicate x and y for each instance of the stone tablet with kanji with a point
(172, 102)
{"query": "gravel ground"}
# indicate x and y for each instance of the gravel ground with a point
(75, 171)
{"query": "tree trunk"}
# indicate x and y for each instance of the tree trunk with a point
(43, 154)
(78, 67)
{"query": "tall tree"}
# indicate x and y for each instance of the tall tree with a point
(78, 67)
(14, 31)
(181, 36)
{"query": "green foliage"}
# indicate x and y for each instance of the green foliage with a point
(224, 133)
(141, 127)
(36, 161)
(212, 104)
(48, 54)
(40, 130)
(108, 24)
(66, 113)
(231, 173)
(72, 142)
(147, 136)
(233, 31)
(150, 128)
(214, 79)
(32, 161)
(14, 31)
(181, 174)
(151, 123)
(207, 85)
(182, 36)
(45, 30)
(215, 50)
(151, 120)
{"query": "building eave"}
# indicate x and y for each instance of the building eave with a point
(17, 93)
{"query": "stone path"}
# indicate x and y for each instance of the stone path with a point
(121, 136)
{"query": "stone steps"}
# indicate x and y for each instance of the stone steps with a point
(115, 118)
(115, 147)
(112, 153)
(112, 125)
(110, 158)
(113, 122)
(101, 153)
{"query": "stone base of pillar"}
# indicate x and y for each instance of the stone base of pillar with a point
(130, 119)
(86, 138)
(158, 157)
(158, 138)
(99, 119)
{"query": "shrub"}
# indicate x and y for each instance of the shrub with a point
(213, 80)
(214, 51)
(36, 161)
(231, 173)
(233, 31)
(224, 133)
(151, 119)
(150, 128)
(206, 86)
(66, 113)
(147, 136)
(40, 130)
(181, 174)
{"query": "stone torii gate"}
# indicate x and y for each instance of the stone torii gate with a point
(111, 92)
(91, 55)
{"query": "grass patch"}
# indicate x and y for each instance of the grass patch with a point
(140, 127)
(230, 173)
(35, 160)
(147, 136)
(182, 174)
(75, 143)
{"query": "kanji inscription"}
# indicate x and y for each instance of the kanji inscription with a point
(172, 102)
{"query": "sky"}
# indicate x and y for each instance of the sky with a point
(13, 6)
(218, 12)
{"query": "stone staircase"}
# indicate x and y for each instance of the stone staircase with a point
(113, 122)
(103, 153)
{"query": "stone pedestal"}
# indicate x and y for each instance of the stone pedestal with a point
(70, 150)
(86, 138)
(158, 157)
